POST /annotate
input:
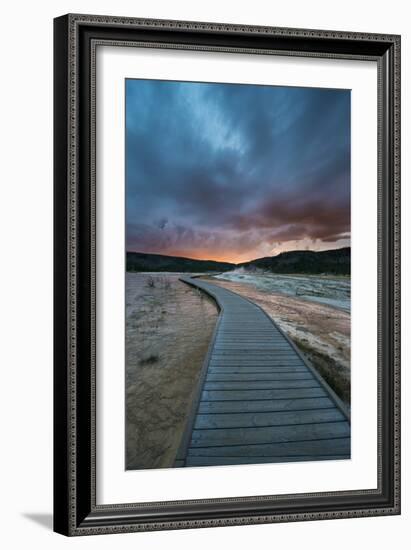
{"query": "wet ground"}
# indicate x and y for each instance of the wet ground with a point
(332, 291)
(168, 329)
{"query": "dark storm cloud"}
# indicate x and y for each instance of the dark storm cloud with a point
(211, 166)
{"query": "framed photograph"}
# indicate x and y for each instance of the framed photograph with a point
(227, 277)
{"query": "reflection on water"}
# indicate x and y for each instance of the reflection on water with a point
(334, 292)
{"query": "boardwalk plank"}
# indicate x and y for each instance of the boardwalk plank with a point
(340, 445)
(247, 362)
(263, 385)
(249, 420)
(256, 370)
(221, 395)
(233, 461)
(280, 351)
(268, 405)
(237, 436)
(258, 376)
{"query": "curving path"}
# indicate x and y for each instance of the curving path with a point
(258, 400)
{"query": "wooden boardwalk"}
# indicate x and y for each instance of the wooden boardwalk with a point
(258, 399)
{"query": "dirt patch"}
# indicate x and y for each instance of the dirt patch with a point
(168, 329)
(336, 377)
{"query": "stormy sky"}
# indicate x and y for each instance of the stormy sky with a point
(236, 172)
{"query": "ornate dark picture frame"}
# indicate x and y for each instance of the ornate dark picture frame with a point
(75, 41)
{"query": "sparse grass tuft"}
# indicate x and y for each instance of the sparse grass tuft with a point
(149, 360)
(151, 282)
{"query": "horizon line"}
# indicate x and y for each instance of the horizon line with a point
(233, 263)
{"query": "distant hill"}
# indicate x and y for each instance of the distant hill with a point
(332, 262)
(138, 261)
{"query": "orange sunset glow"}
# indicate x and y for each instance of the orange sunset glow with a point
(232, 173)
